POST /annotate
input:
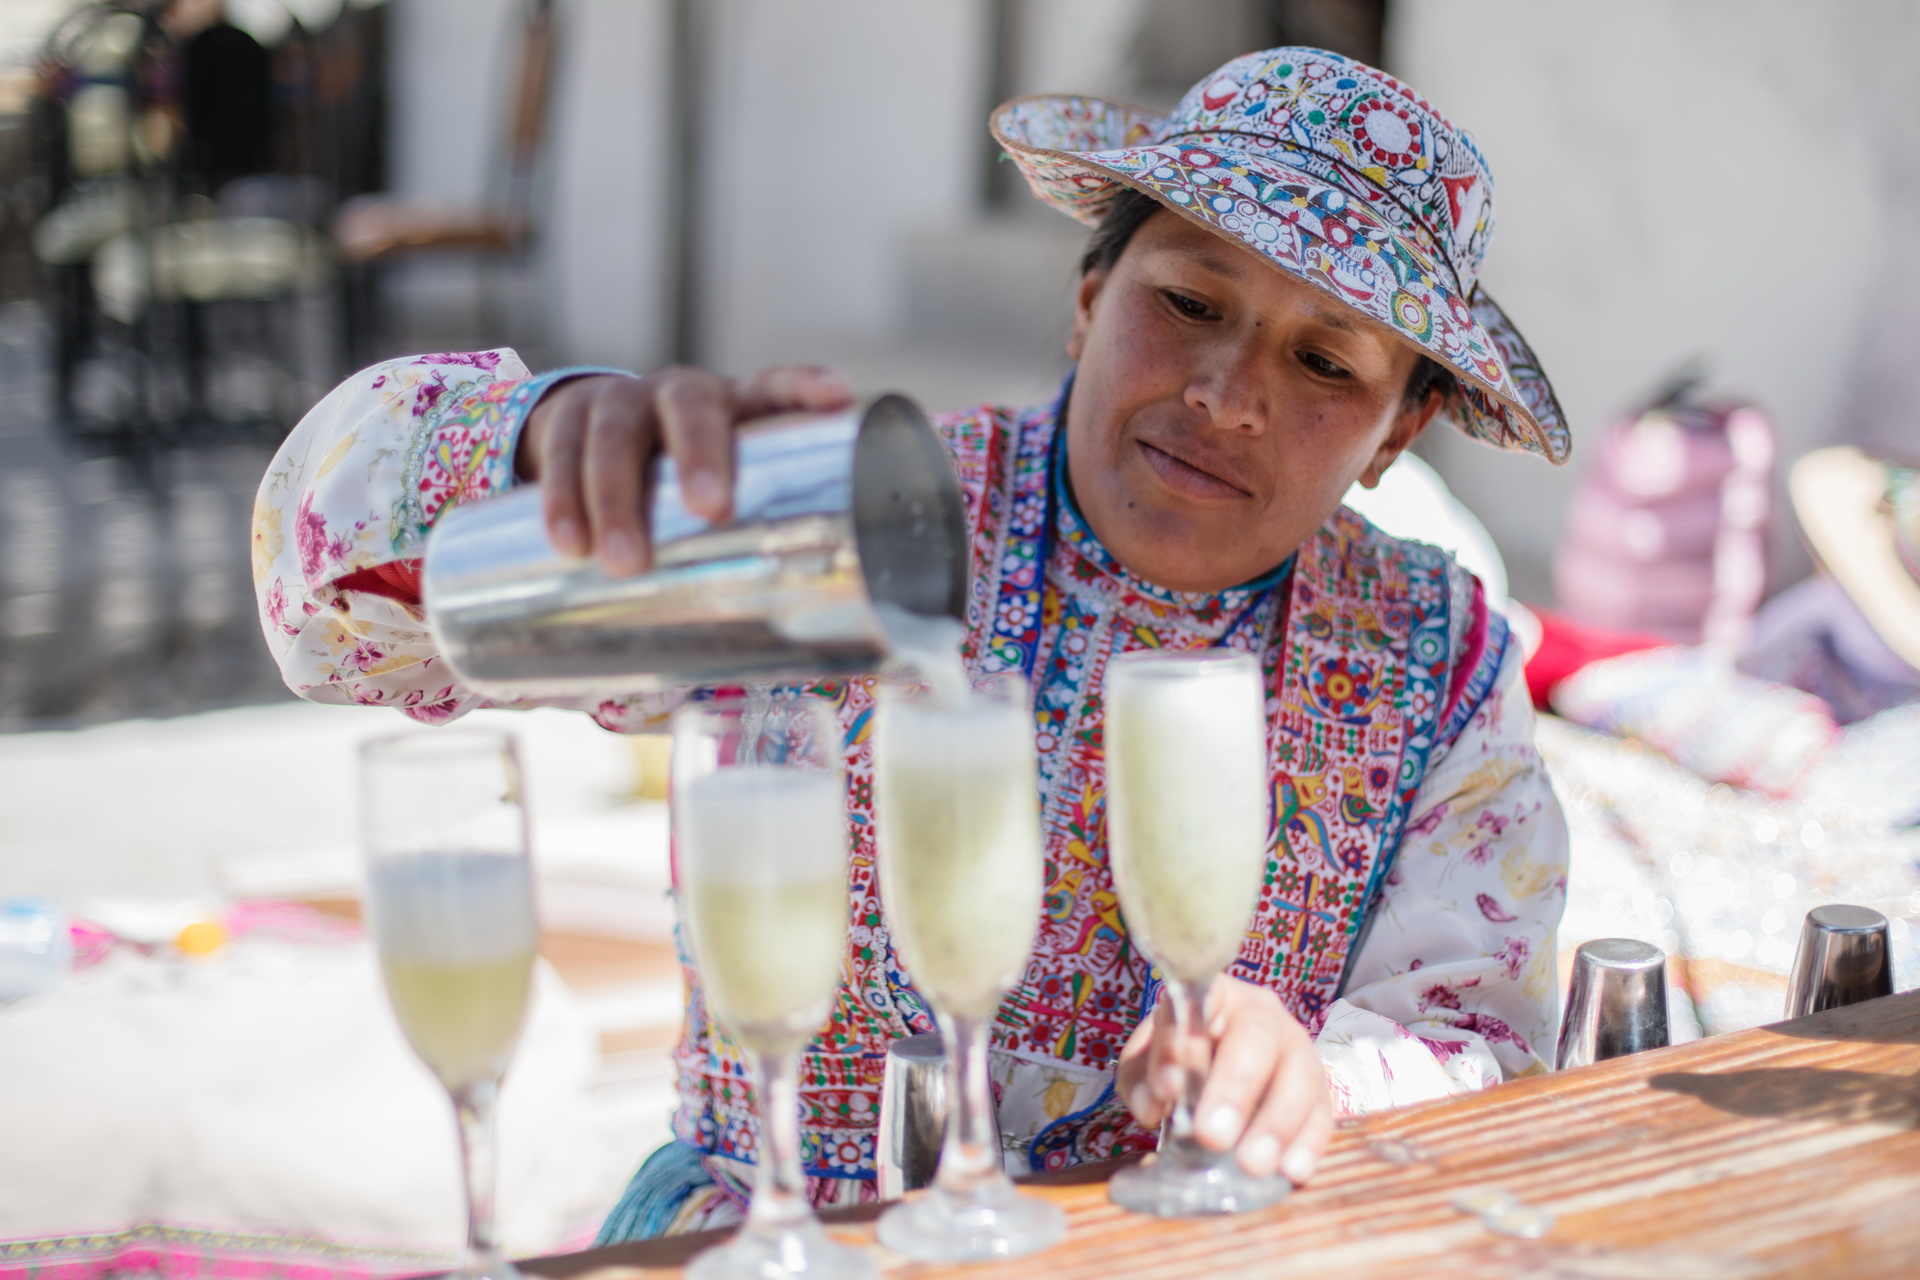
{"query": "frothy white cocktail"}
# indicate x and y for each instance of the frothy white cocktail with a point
(1187, 803)
(764, 882)
(959, 837)
(456, 937)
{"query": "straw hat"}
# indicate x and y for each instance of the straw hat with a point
(1334, 172)
(1862, 517)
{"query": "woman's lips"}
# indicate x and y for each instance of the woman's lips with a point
(1188, 480)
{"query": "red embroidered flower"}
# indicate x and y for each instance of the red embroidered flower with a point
(1388, 133)
(1343, 686)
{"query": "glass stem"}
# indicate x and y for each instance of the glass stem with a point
(473, 1109)
(780, 1188)
(1190, 1013)
(970, 1152)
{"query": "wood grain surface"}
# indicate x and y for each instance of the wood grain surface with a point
(1786, 1151)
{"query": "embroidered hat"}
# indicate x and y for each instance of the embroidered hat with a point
(1861, 515)
(1338, 174)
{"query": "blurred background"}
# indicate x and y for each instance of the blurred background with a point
(208, 212)
(211, 210)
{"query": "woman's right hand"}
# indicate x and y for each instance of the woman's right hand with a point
(591, 442)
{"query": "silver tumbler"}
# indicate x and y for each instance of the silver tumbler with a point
(1844, 958)
(1616, 1002)
(913, 1114)
(834, 515)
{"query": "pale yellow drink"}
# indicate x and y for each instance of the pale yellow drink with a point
(763, 879)
(1187, 804)
(959, 836)
(462, 1019)
(457, 936)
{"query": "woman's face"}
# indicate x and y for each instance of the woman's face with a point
(1222, 408)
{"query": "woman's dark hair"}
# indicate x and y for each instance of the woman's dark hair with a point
(1130, 211)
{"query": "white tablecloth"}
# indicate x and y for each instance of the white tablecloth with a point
(268, 1092)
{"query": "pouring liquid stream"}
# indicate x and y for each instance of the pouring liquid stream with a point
(930, 648)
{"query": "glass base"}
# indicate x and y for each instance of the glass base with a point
(995, 1222)
(487, 1266)
(802, 1251)
(1188, 1181)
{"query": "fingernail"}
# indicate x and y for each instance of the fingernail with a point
(1260, 1154)
(566, 537)
(1222, 1126)
(1299, 1163)
(620, 551)
(702, 491)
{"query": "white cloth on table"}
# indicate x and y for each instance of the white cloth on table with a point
(268, 1091)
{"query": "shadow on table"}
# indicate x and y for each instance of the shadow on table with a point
(1893, 1019)
(1802, 1093)
(677, 1251)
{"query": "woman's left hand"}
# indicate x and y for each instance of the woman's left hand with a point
(1266, 1094)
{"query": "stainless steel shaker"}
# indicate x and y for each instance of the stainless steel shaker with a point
(1616, 1002)
(913, 1114)
(1844, 958)
(834, 515)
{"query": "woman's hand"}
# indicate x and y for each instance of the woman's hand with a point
(591, 442)
(1265, 1096)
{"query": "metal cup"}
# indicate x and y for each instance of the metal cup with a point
(1616, 1003)
(913, 1114)
(834, 515)
(1844, 958)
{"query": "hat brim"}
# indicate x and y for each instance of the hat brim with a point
(1839, 494)
(1078, 153)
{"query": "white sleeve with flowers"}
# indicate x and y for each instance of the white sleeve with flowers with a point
(345, 508)
(1455, 987)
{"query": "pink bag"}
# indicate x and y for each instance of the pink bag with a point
(1667, 529)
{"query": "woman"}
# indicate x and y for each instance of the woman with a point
(1278, 298)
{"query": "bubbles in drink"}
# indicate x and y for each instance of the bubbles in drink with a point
(456, 935)
(960, 854)
(1187, 804)
(763, 877)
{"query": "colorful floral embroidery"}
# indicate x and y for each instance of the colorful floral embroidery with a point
(465, 452)
(1338, 174)
(1346, 772)
(1479, 864)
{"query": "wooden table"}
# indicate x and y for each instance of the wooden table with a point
(1787, 1151)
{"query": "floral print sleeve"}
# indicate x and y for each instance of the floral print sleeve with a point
(343, 511)
(1455, 987)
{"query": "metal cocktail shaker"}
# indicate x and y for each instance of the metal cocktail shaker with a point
(1844, 958)
(834, 515)
(913, 1114)
(1616, 1002)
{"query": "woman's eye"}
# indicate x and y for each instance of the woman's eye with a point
(1189, 306)
(1321, 365)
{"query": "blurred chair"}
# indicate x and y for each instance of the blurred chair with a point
(87, 167)
(151, 122)
(372, 232)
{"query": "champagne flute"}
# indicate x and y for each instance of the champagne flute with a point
(760, 833)
(1186, 737)
(450, 901)
(960, 859)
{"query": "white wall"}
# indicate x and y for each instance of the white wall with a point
(605, 256)
(1736, 179)
(600, 268)
(833, 128)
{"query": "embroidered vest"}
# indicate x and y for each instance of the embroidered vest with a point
(1358, 651)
